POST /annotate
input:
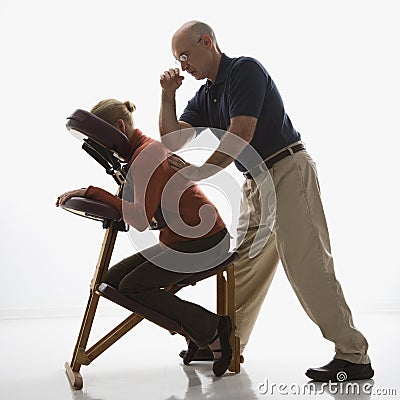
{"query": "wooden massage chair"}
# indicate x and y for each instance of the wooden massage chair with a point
(112, 150)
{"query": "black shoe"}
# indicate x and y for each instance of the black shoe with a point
(200, 355)
(190, 353)
(340, 370)
(224, 330)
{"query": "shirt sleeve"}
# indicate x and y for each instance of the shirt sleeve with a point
(96, 193)
(247, 89)
(193, 114)
(149, 181)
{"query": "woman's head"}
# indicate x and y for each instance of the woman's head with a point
(116, 113)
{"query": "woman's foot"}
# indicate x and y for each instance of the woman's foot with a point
(221, 346)
(204, 354)
(191, 352)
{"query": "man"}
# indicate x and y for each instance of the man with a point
(240, 97)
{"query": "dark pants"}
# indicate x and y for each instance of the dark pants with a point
(141, 278)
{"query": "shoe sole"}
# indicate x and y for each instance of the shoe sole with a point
(334, 379)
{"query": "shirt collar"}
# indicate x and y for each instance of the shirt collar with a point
(222, 71)
(138, 139)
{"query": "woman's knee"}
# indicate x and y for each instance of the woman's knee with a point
(119, 271)
(113, 278)
(132, 288)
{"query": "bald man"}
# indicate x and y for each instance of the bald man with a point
(240, 97)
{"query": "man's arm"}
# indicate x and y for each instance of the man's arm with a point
(232, 143)
(238, 136)
(174, 134)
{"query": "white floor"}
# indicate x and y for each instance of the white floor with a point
(144, 364)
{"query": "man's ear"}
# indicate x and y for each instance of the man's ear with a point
(207, 41)
(121, 125)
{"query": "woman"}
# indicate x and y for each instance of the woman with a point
(184, 242)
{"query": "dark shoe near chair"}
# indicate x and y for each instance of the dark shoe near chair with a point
(221, 364)
(224, 331)
(199, 355)
(340, 371)
(204, 355)
(190, 353)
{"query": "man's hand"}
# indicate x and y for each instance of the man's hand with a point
(177, 162)
(170, 81)
(67, 195)
(189, 171)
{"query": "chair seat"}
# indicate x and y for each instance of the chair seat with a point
(199, 276)
(153, 316)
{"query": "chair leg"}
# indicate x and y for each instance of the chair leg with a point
(235, 341)
(75, 378)
(79, 356)
(221, 294)
(120, 330)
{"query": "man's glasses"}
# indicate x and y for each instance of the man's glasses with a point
(184, 57)
(181, 59)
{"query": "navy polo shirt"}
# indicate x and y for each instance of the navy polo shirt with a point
(243, 87)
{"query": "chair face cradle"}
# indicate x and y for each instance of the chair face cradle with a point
(111, 149)
(83, 124)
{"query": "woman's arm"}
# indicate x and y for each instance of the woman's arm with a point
(150, 176)
(62, 198)
(94, 193)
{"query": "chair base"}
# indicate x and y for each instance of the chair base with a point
(75, 378)
(84, 356)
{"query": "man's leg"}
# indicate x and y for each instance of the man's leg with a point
(304, 248)
(253, 276)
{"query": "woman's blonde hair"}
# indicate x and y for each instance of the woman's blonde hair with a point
(111, 110)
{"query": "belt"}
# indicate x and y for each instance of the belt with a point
(271, 161)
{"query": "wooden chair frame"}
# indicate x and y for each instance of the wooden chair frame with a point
(83, 355)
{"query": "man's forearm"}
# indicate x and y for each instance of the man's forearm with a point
(219, 159)
(229, 148)
(232, 143)
(174, 134)
(167, 119)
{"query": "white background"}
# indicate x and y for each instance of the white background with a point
(335, 63)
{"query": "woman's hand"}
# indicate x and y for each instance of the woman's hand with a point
(67, 195)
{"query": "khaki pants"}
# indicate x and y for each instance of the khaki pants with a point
(300, 240)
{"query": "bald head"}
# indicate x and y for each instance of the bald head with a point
(195, 46)
(195, 29)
